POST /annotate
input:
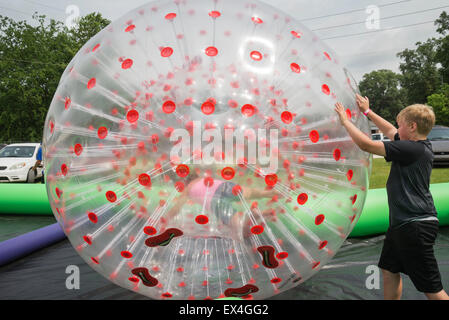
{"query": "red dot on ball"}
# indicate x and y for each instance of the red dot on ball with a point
(132, 116)
(166, 52)
(111, 196)
(201, 219)
(271, 179)
(314, 136)
(170, 16)
(144, 179)
(236, 190)
(282, 255)
(64, 169)
(78, 149)
(168, 107)
(92, 82)
(128, 63)
(302, 198)
(248, 110)
(182, 170)
(295, 67)
(325, 89)
(102, 132)
(87, 239)
(319, 219)
(257, 229)
(286, 117)
(149, 230)
(337, 154)
(208, 107)
(228, 173)
(92, 217)
(211, 51)
(208, 181)
(126, 254)
(214, 14)
(322, 244)
(255, 55)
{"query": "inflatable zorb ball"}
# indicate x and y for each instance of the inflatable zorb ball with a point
(192, 151)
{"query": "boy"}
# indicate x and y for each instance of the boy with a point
(413, 223)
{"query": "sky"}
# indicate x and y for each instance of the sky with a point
(341, 24)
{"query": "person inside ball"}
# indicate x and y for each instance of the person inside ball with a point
(219, 197)
(413, 222)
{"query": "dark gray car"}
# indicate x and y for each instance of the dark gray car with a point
(439, 138)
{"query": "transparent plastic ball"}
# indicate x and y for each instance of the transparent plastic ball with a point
(192, 151)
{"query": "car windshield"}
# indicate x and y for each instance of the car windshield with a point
(439, 134)
(17, 152)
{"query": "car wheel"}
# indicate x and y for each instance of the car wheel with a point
(31, 176)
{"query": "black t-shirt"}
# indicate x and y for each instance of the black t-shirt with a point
(409, 197)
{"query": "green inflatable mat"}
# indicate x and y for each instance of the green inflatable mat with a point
(31, 199)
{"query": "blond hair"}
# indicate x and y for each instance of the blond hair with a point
(421, 114)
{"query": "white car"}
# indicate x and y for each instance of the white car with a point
(16, 162)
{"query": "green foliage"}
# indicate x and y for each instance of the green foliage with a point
(440, 104)
(383, 89)
(420, 77)
(32, 60)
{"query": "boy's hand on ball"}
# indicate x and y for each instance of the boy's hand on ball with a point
(341, 112)
(362, 103)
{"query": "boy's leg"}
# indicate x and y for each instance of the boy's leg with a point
(391, 267)
(420, 263)
(442, 295)
(392, 285)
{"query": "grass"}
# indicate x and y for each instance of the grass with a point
(381, 170)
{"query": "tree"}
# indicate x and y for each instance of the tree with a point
(440, 103)
(420, 76)
(442, 52)
(87, 27)
(32, 60)
(382, 87)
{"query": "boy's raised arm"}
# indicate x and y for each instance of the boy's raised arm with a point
(384, 126)
(360, 139)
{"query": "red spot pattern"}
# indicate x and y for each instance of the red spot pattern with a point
(228, 173)
(211, 51)
(102, 132)
(144, 179)
(166, 52)
(169, 107)
(214, 14)
(319, 219)
(257, 229)
(201, 219)
(111, 196)
(91, 83)
(271, 179)
(302, 198)
(314, 136)
(248, 110)
(295, 67)
(286, 117)
(128, 63)
(182, 170)
(256, 55)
